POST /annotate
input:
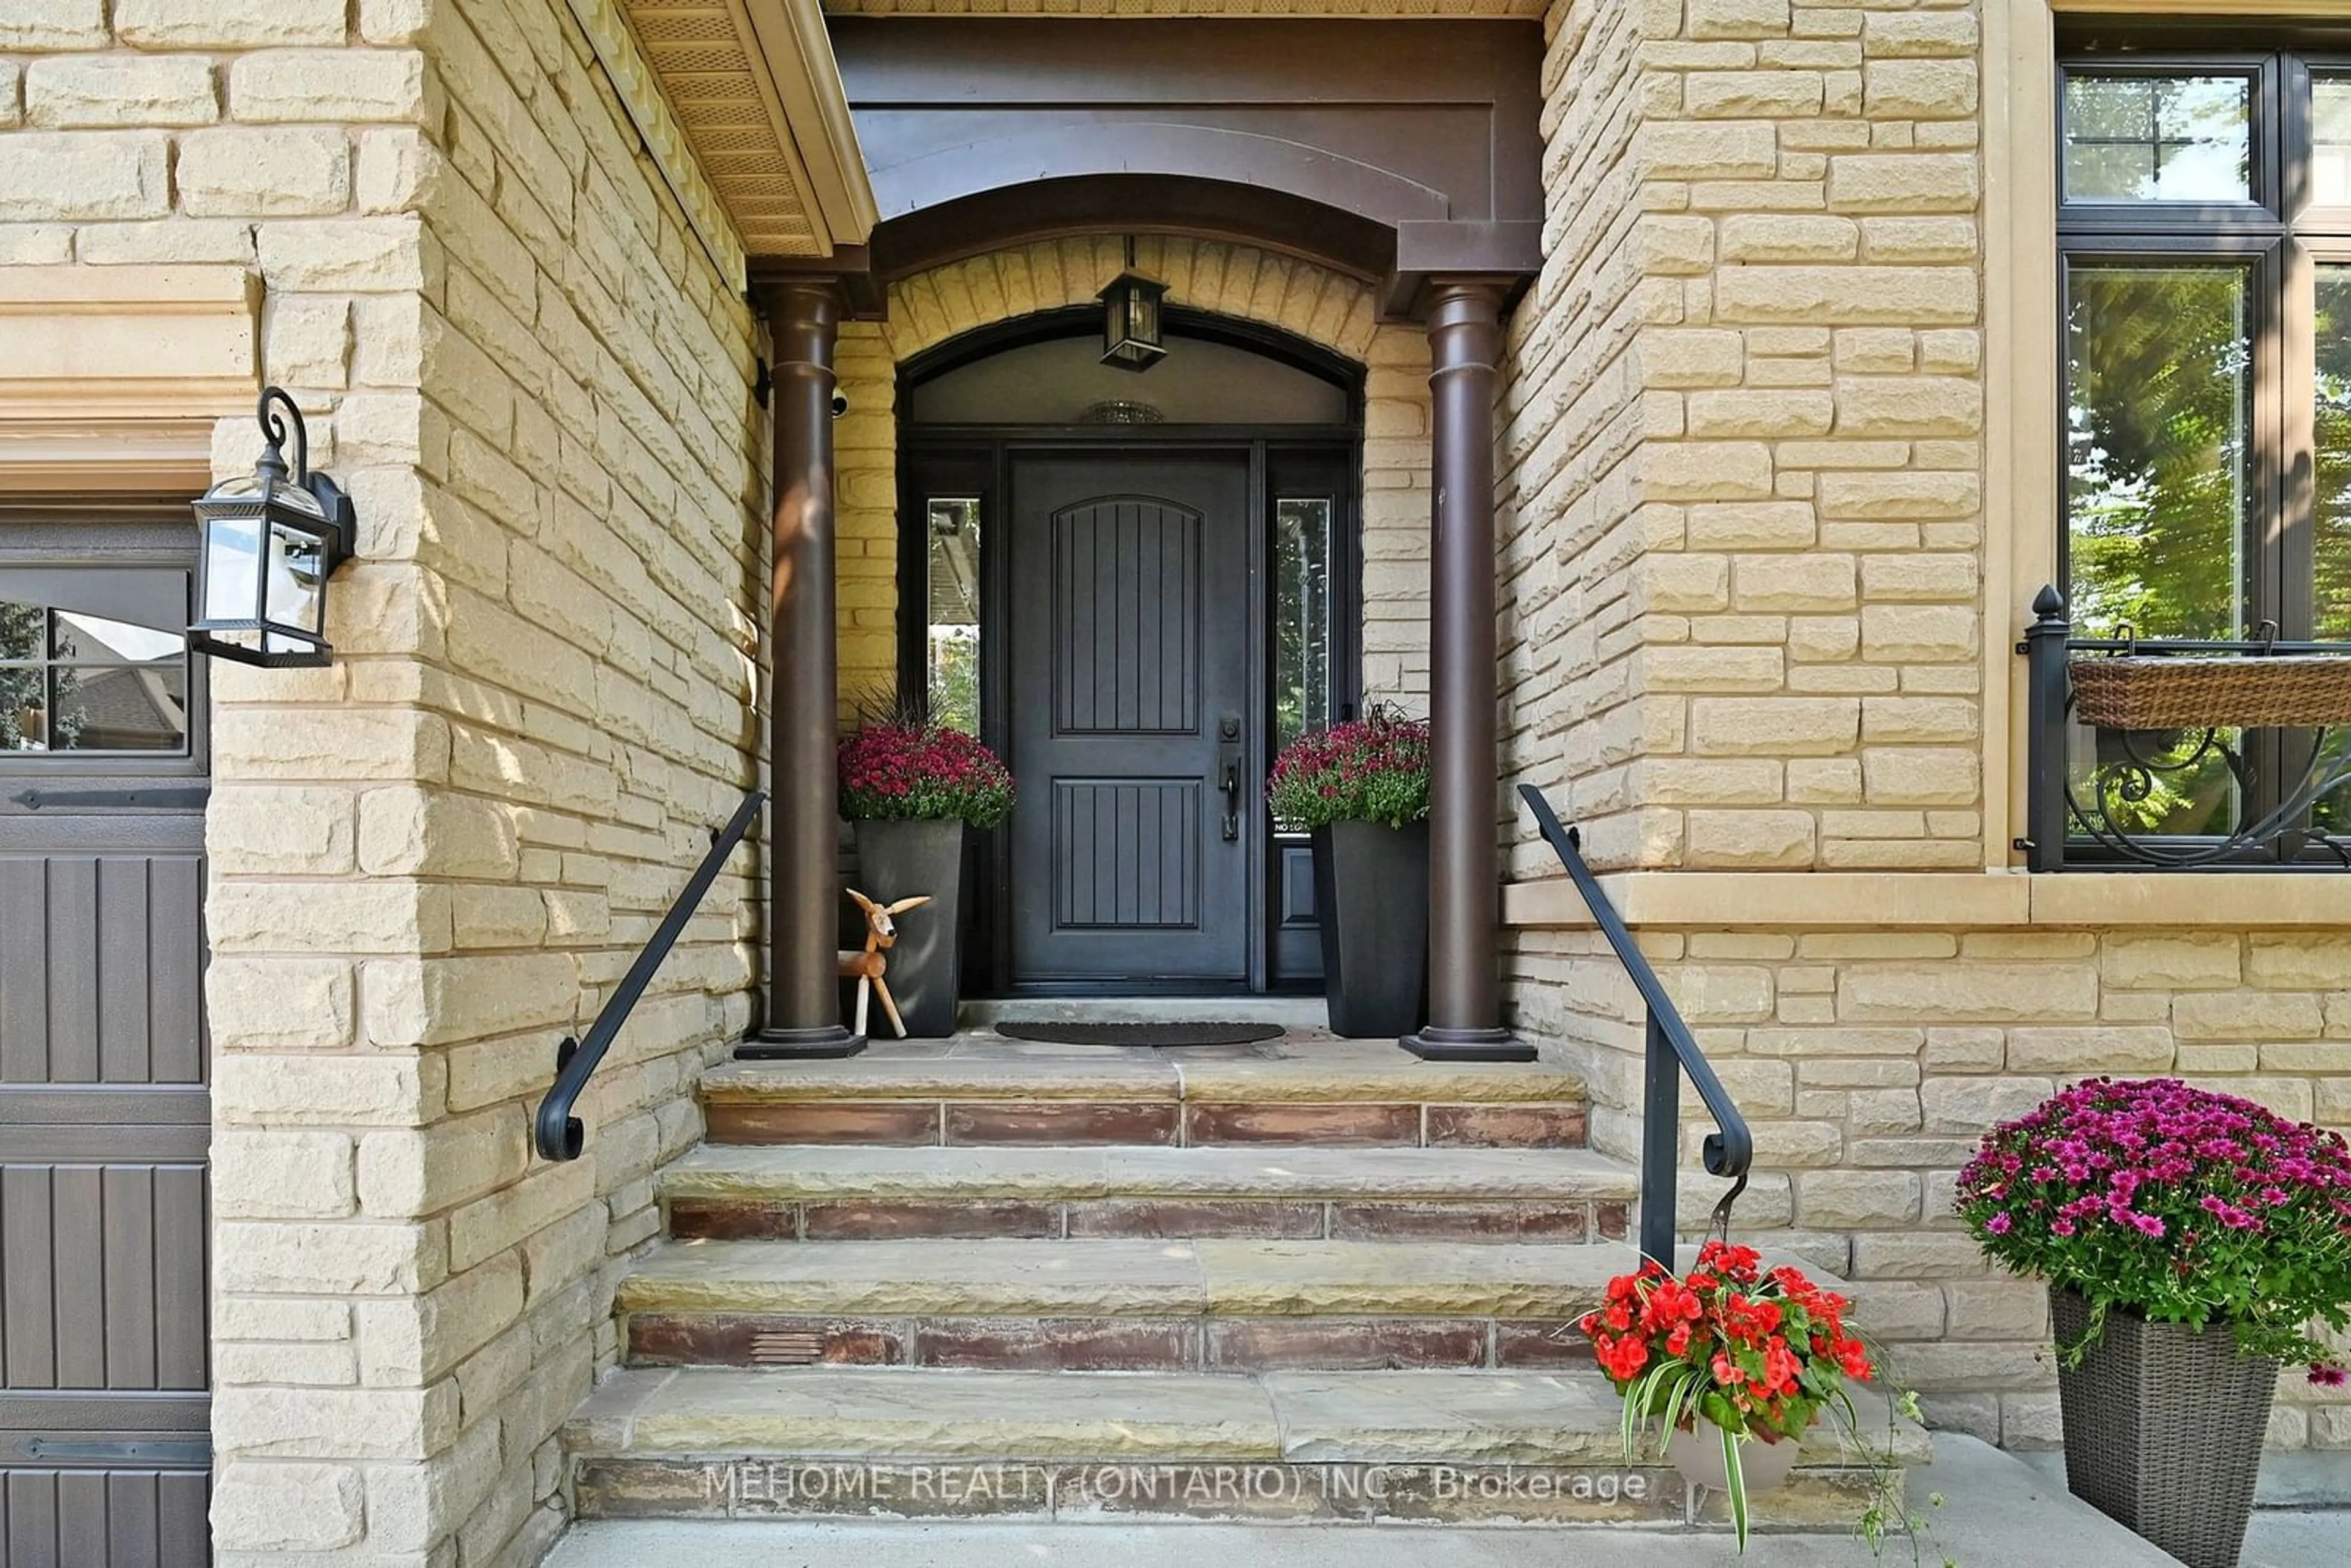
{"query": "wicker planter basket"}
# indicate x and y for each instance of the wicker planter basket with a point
(2164, 1429)
(2280, 692)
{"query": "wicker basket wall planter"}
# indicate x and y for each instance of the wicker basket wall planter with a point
(2164, 1429)
(2276, 692)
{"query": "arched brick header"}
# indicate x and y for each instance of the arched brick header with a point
(1328, 309)
(1325, 307)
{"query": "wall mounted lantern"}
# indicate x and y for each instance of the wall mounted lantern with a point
(271, 540)
(1131, 334)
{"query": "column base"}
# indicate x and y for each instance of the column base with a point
(824, 1042)
(1434, 1044)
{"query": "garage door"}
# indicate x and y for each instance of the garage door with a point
(104, 1115)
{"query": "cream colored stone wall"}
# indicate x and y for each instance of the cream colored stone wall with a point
(1744, 448)
(1743, 519)
(432, 860)
(1869, 1062)
(1322, 307)
(593, 537)
(1567, 525)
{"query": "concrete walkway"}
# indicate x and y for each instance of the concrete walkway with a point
(1997, 1513)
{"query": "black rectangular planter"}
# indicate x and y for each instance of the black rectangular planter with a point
(1371, 897)
(907, 860)
(2164, 1429)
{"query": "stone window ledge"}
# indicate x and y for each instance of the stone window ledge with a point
(1938, 900)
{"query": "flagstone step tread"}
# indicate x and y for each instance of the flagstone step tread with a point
(1303, 1073)
(1115, 1278)
(1294, 1417)
(834, 1174)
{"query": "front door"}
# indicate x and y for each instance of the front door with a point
(104, 1115)
(1130, 711)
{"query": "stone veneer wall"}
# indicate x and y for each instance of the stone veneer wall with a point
(433, 859)
(1869, 1062)
(1742, 503)
(1320, 306)
(1743, 448)
(1569, 425)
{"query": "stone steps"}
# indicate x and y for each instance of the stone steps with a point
(980, 1091)
(854, 1193)
(1308, 1280)
(1482, 1448)
(1117, 1304)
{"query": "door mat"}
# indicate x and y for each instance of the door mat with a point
(1142, 1034)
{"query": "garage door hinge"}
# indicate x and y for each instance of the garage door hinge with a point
(143, 1450)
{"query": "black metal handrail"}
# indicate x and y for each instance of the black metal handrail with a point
(1730, 1149)
(2063, 829)
(558, 1133)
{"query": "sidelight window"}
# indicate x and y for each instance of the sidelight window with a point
(953, 645)
(1302, 616)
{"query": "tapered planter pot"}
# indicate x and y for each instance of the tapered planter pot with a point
(907, 860)
(2163, 1428)
(1371, 895)
(1697, 1454)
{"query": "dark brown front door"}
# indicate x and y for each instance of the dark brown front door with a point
(104, 1115)
(1130, 710)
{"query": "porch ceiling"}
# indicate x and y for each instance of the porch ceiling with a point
(755, 91)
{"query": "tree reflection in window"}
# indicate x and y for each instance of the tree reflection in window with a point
(2159, 398)
(2332, 402)
(953, 656)
(74, 682)
(2330, 158)
(1302, 616)
(2159, 454)
(2157, 137)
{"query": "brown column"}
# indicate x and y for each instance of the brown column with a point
(1465, 993)
(803, 1015)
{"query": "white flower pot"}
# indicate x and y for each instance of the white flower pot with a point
(1698, 1454)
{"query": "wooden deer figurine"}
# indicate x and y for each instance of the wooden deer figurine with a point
(868, 966)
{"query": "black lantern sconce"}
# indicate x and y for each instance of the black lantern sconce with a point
(271, 540)
(1131, 340)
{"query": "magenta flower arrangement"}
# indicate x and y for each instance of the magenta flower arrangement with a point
(1373, 769)
(2177, 1204)
(895, 772)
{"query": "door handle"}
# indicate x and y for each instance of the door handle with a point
(1228, 769)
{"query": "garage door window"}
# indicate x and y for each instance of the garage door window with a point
(93, 662)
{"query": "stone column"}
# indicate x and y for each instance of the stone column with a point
(1465, 995)
(803, 1015)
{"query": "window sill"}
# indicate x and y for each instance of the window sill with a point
(1940, 901)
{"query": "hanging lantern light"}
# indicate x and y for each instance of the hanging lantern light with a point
(1131, 325)
(271, 540)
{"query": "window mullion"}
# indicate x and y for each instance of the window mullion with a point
(2275, 139)
(2293, 136)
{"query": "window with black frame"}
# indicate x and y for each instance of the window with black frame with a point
(2204, 228)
